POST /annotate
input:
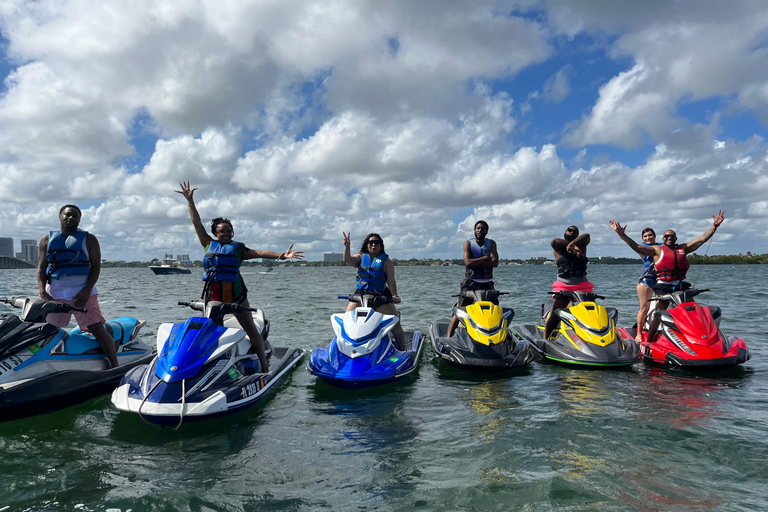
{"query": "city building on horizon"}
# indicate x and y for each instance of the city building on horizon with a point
(6, 247)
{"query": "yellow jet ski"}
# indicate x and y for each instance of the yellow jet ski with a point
(586, 334)
(482, 341)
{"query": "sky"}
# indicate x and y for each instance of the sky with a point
(303, 119)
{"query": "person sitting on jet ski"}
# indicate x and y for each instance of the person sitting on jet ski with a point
(571, 260)
(69, 264)
(375, 273)
(670, 260)
(480, 257)
(221, 265)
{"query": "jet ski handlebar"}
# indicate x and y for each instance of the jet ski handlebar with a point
(678, 296)
(36, 309)
(216, 310)
(368, 300)
(578, 296)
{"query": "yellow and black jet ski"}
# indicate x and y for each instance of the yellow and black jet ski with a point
(482, 341)
(585, 336)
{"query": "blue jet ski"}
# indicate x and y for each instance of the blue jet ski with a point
(44, 367)
(363, 354)
(205, 368)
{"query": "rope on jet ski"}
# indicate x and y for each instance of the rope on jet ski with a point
(144, 400)
(183, 400)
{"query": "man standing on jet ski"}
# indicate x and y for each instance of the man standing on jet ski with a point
(571, 260)
(375, 273)
(221, 264)
(670, 260)
(69, 263)
(480, 258)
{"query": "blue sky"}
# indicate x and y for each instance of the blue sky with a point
(302, 121)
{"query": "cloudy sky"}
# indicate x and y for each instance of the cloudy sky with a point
(301, 119)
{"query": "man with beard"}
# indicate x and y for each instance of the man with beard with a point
(571, 260)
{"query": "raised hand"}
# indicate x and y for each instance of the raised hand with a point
(346, 238)
(617, 227)
(290, 254)
(719, 219)
(186, 191)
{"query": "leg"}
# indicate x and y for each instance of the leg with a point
(351, 306)
(644, 294)
(106, 342)
(397, 330)
(655, 321)
(248, 325)
(552, 321)
(452, 325)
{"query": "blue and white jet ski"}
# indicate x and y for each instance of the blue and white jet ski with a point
(363, 354)
(44, 367)
(205, 368)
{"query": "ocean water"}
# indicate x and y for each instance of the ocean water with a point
(547, 438)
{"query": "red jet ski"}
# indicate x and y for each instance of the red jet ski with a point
(689, 336)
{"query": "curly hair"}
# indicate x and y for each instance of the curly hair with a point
(364, 248)
(220, 220)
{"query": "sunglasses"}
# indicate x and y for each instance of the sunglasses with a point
(669, 236)
(374, 242)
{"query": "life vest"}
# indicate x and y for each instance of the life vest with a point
(673, 264)
(67, 255)
(569, 265)
(370, 274)
(221, 263)
(479, 274)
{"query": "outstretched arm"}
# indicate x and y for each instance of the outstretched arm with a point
(188, 193)
(642, 250)
(290, 254)
(716, 221)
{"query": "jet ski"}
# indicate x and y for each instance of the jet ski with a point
(363, 354)
(689, 336)
(586, 334)
(481, 342)
(205, 368)
(44, 367)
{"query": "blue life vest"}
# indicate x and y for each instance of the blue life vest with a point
(221, 263)
(370, 274)
(67, 255)
(650, 268)
(480, 274)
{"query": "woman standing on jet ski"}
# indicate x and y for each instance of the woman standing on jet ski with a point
(221, 264)
(571, 260)
(646, 282)
(375, 273)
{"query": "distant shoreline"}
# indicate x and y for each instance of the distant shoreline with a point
(695, 259)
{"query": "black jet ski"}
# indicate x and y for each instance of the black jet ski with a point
(482, 341)
(44, 367)
(586, 335)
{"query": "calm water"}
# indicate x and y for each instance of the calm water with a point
(549, 438)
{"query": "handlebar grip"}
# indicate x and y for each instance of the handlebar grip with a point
(343, 297)
(503, 293)
(183, 303)
(79, 310)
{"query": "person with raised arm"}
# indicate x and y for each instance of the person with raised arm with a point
(221, 267)
(375, 273)
(670, 260)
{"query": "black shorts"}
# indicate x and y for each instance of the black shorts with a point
(661, 288)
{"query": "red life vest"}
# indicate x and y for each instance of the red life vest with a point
(673, 264)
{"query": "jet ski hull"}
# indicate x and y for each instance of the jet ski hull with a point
(382, 366)
(236, 387)
(461, 351)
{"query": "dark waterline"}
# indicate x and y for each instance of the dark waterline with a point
(547, 438)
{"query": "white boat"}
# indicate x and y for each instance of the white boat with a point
(170, 266)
